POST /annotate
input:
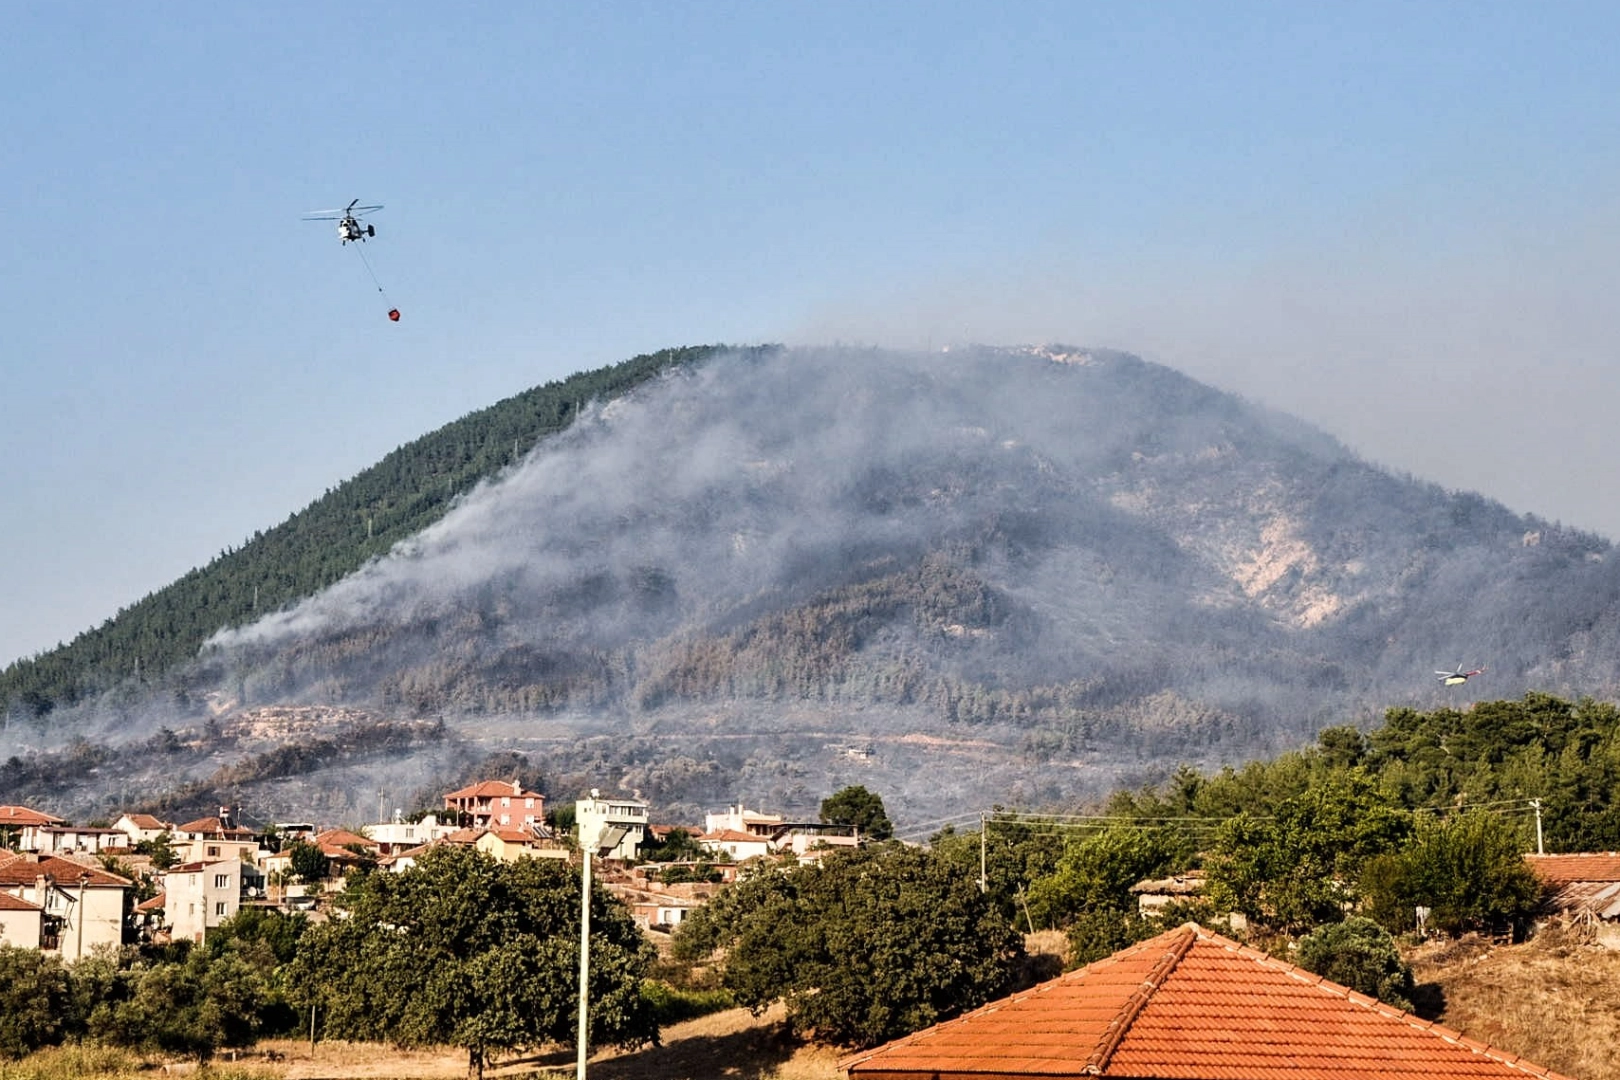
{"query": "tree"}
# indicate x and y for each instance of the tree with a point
(1097, 870)
(34, 1000)
(470, 952)
(856, 806)
(1468, 871)
(309, 862)
(1297, 868)
(1360, 954)
(192, 1007)
(160, 849)
(864, 947)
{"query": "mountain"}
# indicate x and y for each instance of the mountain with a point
(985, 575)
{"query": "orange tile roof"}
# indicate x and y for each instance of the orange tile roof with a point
(493, 789)
(343, 838)
(16, 903)
(1587, 866)
(215, 827)
(22, 815)
(145, 821)
(65, 872)
(1190, 1005)
(734, 836)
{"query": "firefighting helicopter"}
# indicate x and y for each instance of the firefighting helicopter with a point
(349, 228)
(348, 219)
(1457, 676)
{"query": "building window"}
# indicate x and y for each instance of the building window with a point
(506, 800)
(219, 908)
(221, 880)
(213, 851)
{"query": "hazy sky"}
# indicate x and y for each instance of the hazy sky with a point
(1399, 221)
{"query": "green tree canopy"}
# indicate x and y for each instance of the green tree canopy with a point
(1297, 868)
(309, 862)
(465, 951)
(1360, 954)
(1469, 871)
(856, 806)
(34, 1001)
(866, 946)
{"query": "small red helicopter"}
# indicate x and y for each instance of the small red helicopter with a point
(1458, 676)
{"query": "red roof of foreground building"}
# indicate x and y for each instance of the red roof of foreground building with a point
(28, 868)
(22, 815)
(1190, 1005)
(1563, 869)
(16, 903)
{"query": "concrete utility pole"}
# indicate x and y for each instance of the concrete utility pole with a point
(1536, 803)
(984, 880)
(586, 845)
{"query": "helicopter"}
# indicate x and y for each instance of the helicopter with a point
(1457, 676)
(348, 219)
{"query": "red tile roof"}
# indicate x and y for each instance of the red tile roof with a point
(1588, 866)
(145, 821)
(27, 868)
(212, 826)
(493, 789)
(22, 815)
(154, 904)
(1190, 1005)
(342, 838)
(16, 903)
(729, 836)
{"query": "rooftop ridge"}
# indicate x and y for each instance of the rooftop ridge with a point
(1097, 1060)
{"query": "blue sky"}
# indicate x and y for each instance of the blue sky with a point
(1398, 221)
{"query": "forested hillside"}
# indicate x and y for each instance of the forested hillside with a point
(1002, 575)
(360, 519)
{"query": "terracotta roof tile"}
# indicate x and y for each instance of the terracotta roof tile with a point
(734, 836)
(16, 903)
(1587, 866)
(494, 789)
(1191, 1005)
(145, 821)
(343, 838)
(22, 815)
(25, 870)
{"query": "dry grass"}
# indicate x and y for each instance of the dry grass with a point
(1554, 1001)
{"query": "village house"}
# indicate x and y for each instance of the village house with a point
(81, 907)
(495, 802)
(740, 819)
(61, 839)
(141, 828)
(1584, 889)
(400, 835)
(22, 922)
(1189, 1005)
(209, 839)
(735, 844)
(19, 826)
(618, 825)
(510, 845)
(199, 896)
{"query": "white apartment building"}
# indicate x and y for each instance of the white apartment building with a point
(618, 824)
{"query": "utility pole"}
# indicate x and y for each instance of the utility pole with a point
(585, 845)
(1536, 803)
(984, 880)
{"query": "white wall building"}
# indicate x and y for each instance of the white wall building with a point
(622, 821)
(81, 907)
(400, 835)
(201, 895)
